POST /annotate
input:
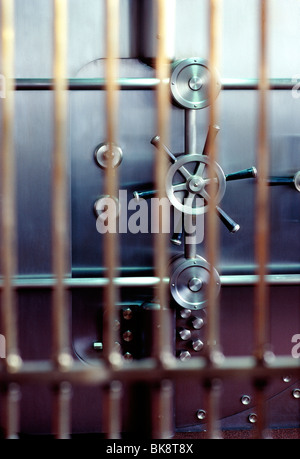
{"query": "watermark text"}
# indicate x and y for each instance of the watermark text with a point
(155, 215)
(296, 347)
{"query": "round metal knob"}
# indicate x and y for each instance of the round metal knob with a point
(198, 345)
(184, 355)
(185, 313)
(128, 336)
(185, 334)
(196, 83)
(195, 284)
(198, 323)
(103, 152)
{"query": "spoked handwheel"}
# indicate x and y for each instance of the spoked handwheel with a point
(188, 181)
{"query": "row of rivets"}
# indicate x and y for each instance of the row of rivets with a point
(197, 322)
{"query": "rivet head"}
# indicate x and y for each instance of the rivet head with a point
(198, 345)
(296, 393)
(185, 355)
(128, 356)
(127, 336)
(198, 323)
(185, 334)
(252, 418)
(201, 415)
(185, 313)
(127, 314)
(245, 399)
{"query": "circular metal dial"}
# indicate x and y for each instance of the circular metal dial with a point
(189, 178)
(189, 281)
(190, 82)
(102, 155)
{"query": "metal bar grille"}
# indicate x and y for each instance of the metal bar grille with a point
(162, 369)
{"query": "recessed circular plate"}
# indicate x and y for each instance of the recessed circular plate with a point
(189, 281)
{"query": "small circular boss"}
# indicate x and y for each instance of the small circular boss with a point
(190, 83)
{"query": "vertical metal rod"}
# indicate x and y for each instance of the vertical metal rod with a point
(262, 198)
(261, 307)
(62, 412)
(212, 220)
(60, 306)
(61, 353)
(259, 431)
(161, 239)
(162, 410)
(8, 205)
(11, 412)
(213, 388)
(190, 142)
(213, 320)
(190, 138)
(162, 334)
(111, 241)
(111, 180)
(112, 410)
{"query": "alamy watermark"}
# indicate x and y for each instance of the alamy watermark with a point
(296, 347)
(155, 215)
(2, 347)
(296, 87)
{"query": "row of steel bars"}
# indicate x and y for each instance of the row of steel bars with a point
(162, 333)
(261, 307)
(60, 306)
(61, 353)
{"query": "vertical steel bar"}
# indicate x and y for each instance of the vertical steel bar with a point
(213, 320)
(112, 396)
(112, 410)
(8, 206)
(11, 411)
(162, 333)
(212, 221)
(62, 411)
(261, 307)
(262, 198)
(60, 306)
(111, 179)
(161, 238)
(60, 301)
(162, 410)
